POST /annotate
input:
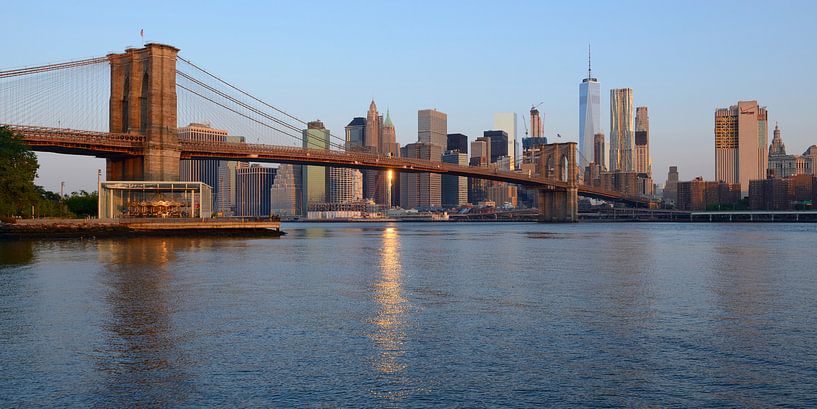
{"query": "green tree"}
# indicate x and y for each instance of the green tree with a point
(18, 168)
(83, 203)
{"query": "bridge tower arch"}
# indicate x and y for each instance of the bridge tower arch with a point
(143, 102)
(558, 160)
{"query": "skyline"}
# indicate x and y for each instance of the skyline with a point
(487, 66)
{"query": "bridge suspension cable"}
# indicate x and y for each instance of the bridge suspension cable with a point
(241, 113)
(73, 94)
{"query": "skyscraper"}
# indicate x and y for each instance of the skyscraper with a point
(481, 152)
(421, 190)
(621, 130)
(589, 124)
(454, 188)
(253, 188)
(671, 187)
(499, 144)
(356, 134)
(432, 127)
(204, 170)
(643, 161)
(226, 180)
(741, 133)
(599, 151)
(457, 142)
(537, 123)
(389, 147)
(315, 136)
(506, 121)
(373, 124)
(285, 193)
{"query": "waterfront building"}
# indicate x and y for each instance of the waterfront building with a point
(699, 195)
(589, 113)
(740, 143)
(621, 130)
(783, 193)
(432, 127)
(421, 190)
(314, 178)
(599, 150)
(783, 165)
(643, 161)
(454, 188)
(499, 144)
(457, 142)
(480, 152)
(253, 188)
(506, 121)
(345, 185)
(285, 195)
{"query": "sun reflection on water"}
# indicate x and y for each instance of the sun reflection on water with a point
(389, 333)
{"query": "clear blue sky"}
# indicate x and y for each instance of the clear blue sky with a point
(469, 59)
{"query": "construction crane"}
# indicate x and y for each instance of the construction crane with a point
(526, 125)
(532, 107)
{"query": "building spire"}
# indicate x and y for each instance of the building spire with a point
(589, 71)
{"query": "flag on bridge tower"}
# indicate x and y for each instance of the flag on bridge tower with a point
(142, 34)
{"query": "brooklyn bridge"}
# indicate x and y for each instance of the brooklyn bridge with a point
(127, 107)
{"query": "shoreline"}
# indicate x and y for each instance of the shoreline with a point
(95, 228)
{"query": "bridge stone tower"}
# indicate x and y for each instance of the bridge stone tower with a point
(558, 161)
(143, 102)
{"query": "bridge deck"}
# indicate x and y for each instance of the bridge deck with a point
(105, 144)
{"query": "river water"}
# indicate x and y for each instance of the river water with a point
(416, 315)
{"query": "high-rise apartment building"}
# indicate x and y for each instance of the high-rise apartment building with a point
(457, 142)
(589, 114)
(345, 185)
(621, 130)
(314, 178)
(499, 144)
(506, 121)
(253, 189)
(454, 188)
(643, 161)
(421, 190)
(432, 127)
(741, 133)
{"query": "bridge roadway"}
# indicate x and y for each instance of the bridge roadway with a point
(106, 145)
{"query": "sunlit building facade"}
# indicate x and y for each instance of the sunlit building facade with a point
(741, 133)
(622, 127)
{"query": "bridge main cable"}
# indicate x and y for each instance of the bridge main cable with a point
(52, 67)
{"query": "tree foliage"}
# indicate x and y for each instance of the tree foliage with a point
(18, 168)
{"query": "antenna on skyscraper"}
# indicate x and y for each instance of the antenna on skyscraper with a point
(589, 71)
